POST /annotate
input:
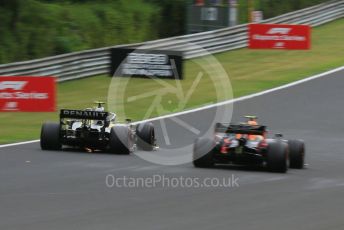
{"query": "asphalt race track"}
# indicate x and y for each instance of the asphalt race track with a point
(67, 190)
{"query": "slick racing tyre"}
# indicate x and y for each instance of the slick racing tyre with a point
(145, 136)
(50, 136)
(277, 157)
(203, 153)
(296, 154)
(120, 140)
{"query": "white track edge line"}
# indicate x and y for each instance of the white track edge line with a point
(18, 143)
(219, 103)
(245, 97)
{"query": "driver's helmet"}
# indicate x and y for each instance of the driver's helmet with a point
(100, 109)
(251, 137)
(253, 121)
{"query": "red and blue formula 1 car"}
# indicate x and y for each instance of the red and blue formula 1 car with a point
(247, 144)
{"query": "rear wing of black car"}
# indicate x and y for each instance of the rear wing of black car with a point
(83, 114)
(240, 129)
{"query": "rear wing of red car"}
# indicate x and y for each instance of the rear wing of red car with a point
(240, 129)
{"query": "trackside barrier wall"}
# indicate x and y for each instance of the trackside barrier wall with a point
(97, 61)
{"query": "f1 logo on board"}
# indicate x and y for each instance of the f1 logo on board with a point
(276, 36)
(15, 85)
(27, 94)
(279, 31)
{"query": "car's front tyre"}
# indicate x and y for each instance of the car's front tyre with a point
(145, 136)
(296, 154)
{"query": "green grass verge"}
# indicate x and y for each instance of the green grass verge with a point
(250, 71)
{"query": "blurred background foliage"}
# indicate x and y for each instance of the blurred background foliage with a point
(32, 29)
(272, 8)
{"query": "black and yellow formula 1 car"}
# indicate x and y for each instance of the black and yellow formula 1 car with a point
(96, 129)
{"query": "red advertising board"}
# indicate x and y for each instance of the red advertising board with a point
(277, 36)
(27, 94)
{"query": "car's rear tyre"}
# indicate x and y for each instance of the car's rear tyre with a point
(203, 153)
(296, 154)
(145, 136)
(277, 157)
(50, 136)
(120, 140)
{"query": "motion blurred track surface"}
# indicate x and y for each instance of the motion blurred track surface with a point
(66, 190)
